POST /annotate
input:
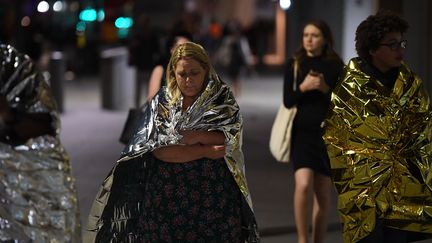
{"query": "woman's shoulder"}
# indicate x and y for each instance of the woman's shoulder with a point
(289, 62)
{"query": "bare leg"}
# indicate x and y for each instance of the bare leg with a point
(235, 82)
(236, 87)
(138, 87)
(302, 197)
(322, 197)
(155, 82)
(142, 80)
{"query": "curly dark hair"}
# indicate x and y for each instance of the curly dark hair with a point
(371, 31)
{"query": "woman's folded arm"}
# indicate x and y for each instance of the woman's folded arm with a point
(185, 153)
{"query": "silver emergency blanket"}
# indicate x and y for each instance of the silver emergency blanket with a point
(379, 144)
(38, 198)
(214, 110)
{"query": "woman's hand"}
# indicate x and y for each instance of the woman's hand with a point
(215, 151)
(314, 81)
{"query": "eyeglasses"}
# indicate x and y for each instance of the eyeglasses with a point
(395, 45)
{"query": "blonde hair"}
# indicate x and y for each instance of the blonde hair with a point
(187, 50)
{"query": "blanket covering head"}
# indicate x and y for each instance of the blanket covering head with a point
(214, 110)
(379, 144)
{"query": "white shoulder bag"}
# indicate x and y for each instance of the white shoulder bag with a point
(280, 137)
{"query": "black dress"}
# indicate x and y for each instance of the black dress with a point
(308, 149)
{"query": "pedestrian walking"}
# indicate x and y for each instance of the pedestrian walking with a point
(181, 178)
(378, 135)
(319, 67)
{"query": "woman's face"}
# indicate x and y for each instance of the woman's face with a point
(313, 40)
(190, 76)
(389, 53)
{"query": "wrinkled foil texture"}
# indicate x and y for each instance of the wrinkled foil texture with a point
(379, 143)
(214, 110)
(38, 198)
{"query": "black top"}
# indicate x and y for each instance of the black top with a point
(307, 147)
(388, 78)
(312, 106)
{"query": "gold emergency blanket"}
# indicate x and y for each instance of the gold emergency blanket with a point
(379, 143)
(214, 110)
(38, 198)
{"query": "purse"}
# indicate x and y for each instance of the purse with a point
(132, 123)
(280, 137)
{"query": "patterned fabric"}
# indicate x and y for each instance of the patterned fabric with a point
(192, 202)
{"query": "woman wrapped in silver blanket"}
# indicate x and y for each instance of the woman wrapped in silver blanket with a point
(181, 177)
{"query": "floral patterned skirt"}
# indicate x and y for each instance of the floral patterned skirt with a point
(198, 201)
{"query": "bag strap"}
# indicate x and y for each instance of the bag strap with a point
(295, 71)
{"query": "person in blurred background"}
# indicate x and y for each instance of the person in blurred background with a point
(181, 178)
(317, 68)
(144, 53)
(157, 77)
(37, 191)
(378, 135)
(235, 54)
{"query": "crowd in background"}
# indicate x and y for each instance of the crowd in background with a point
(227, 44)
(390, 156)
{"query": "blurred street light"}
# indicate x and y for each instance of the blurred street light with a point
(58, 6)
(43, 7)
(88, 14)
(285, 4)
